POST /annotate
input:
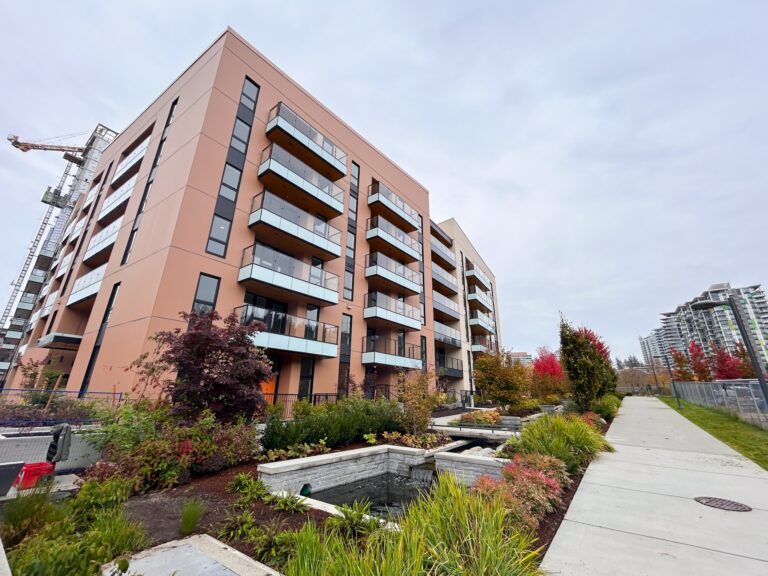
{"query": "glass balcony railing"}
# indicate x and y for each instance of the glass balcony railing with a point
(284, 112)
(484, 320)
(134, 156)
(400, 204)
(483, 344)
(396, 268)
(64, 265)
(91, 195)
(441, 249)
(395, 347)
(288, 325)
(380, 223)
(483, 297)
(447, 335)
(78, 228)
(447, 303)
(277, 154)
(451, 366)
(271, 203)
(266, 257)
(479, 274)
(48, 304)
(117, 197)
(445, 276)
(88, 280)
(103, 239)
(381, 300)
(37, 275)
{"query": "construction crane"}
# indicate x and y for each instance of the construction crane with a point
(53, 198)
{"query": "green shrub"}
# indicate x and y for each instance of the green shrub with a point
(249, 488)
(297, 451)
(95, 497)
(355, 520)
(483, 417)
(288, 502)
(275, 544)
(450, 530)
(338, 424)
(606, 406)
(28, 513)
(565, 437)
(425, 441)
(240, 526)
(191, 512)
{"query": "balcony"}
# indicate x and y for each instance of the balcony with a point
(396, 353)
(45, 255)
(13, 335)
(114, 204)
(64, 264)
(444, 308)
(441, 254)
(27, 301)
(447, 335)
(396, 209)
(48, 304)
(92, 193)
(479, 300)
(298, 137)
(131, 159)
(60, 341)
(443, 281)
(483, 345)
(382, 271)
(77, 229)
(87, 286)
(286, 224)
(67, 232)
(274, 273)
(383, 236)
(100, 246)
(452, 368)
(479, 322)
(299, 184)
(476, 277)
(44, 290)
(291, 333)
(383, 309)
(37, 276)
(32, 321)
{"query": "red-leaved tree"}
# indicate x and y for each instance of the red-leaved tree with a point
(726, 366)
(745, 362)
(699, 362)
(217, 367)
(682, 367)
(548, 375)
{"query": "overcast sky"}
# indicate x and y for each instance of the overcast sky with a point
(609, 159)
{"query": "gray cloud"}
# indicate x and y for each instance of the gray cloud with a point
(608, 158)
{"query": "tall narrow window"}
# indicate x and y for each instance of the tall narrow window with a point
(349, 261)
(306, 377)
(206, 294)
(99, 339)
(311, 328)
(224, 212)
(148, 185)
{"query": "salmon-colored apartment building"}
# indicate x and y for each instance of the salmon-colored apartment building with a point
(237, 190)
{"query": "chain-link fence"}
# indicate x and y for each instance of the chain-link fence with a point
(740, 397)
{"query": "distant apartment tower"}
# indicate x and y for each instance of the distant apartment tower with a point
(76, 179)
(717, 325)
(236, 190)
(524, 358)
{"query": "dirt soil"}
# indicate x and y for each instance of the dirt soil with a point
(160, 511)
(551, 522)
(440, 412)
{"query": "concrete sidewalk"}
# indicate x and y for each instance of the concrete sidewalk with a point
(634, 512)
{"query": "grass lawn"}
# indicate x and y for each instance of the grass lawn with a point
(749, 440)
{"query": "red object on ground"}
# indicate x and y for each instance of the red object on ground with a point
(31, 473)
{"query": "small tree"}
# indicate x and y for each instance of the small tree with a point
(745, 362)
(726, 366)
(418, 403)
(217, 367)
(606, 374)
(681, 370)
(587, 363)
(699, 363)
(632, 362)
(501, 378)
(548, 376)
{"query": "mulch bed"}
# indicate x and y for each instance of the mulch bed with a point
(551, 522)
(522, 412)
(160, 511)
(439, 413)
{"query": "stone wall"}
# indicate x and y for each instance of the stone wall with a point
(469, 468)
(330, 470)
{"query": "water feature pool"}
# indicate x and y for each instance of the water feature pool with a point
(389, 494)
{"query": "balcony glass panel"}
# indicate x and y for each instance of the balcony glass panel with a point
(91, 195)
(443, 250)
(49, 301)
(134, 156)
(451, 366)
(483, 342)
(288, 325)
(266, 257)
(479, 274)
(483, 297)
(64, 265)
(398, 269)
(87, 285)
(380, 300)
(445, 302)
(278, 154)
(382, 224)
(445, 276)
(103, 239)
(287, 211)
(284, 112)
(398, 203)
(117, 197)
(391, 347)
(78, 228)
(447, 334)
(476, 317)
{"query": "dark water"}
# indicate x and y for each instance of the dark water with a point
(388, 494)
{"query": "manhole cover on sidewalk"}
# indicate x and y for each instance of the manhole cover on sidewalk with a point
(722, 504)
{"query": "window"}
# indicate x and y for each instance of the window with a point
(206, 294)
(349, 280)
(354, 178)
(351, 237)
(306, 377)
(99, 339)
(346, 332)
(224, 212)
(311, 327)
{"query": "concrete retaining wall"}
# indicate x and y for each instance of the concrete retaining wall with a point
(469, 468)
(34, 448)
(330, 470)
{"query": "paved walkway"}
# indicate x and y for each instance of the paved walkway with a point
(634, 512)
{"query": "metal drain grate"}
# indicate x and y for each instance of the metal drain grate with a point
(722, 504)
